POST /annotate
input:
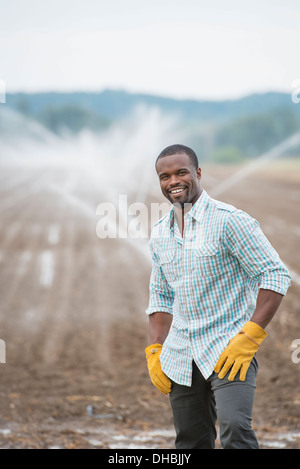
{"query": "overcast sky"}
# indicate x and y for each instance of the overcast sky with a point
(184, 49)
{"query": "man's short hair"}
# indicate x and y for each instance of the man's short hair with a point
(179, 149)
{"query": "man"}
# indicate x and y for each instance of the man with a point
(216, 283)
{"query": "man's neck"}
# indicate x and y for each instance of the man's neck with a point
(180, 211)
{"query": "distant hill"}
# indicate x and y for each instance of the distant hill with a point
(220, 130)
(114, 104)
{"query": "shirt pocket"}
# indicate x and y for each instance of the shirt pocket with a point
(207, 260)
(166, 260)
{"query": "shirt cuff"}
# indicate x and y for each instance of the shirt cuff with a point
(158, 309)
(273, 281)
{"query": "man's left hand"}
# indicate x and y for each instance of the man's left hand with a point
(240, 351)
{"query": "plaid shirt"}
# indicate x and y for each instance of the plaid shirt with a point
(208, 280)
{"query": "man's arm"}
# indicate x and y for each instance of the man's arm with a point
(159, 310)
(241, 349)
(248, 244)
(159, 326)
(268, 302)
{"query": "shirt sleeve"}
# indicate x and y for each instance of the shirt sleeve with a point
(246, 241)
(161, 295)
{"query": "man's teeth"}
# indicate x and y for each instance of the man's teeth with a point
(176, 191)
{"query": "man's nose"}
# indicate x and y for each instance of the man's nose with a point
(174, 180)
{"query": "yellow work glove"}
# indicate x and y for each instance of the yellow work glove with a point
(240, 351)
(157, 376)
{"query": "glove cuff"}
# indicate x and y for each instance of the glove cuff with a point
(254, 332)
(154, 348)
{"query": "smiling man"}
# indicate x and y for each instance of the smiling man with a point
(216, 283)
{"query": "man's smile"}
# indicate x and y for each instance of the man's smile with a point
(178, 190)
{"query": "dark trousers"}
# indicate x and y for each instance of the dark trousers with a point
(196, 410)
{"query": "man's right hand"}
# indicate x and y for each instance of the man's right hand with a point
(157, 376)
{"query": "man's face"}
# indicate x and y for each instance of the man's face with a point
(179, 180)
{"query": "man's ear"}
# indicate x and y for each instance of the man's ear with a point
(198, 171)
